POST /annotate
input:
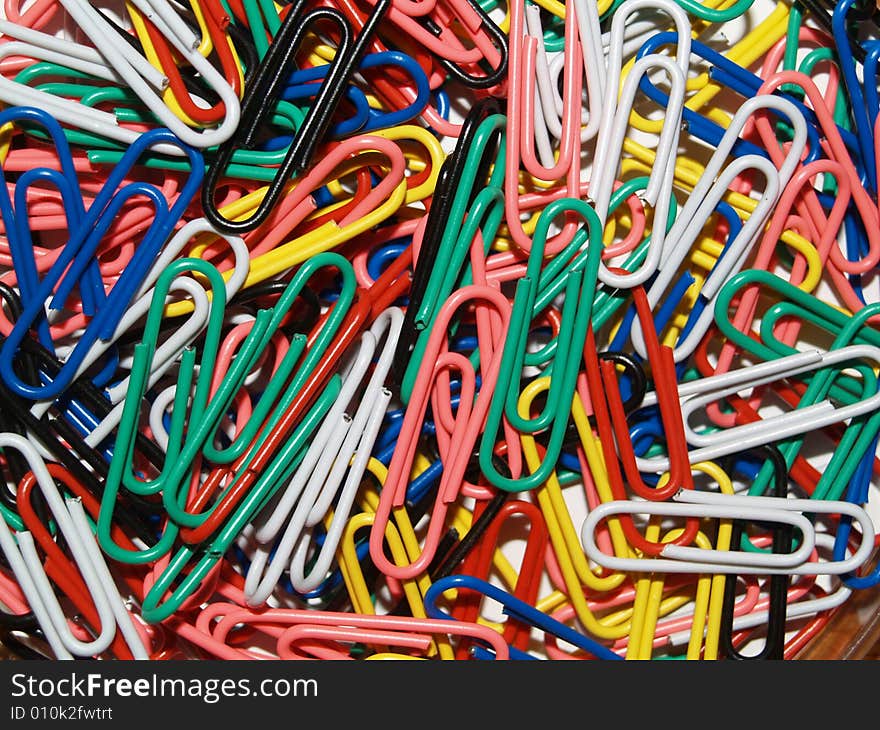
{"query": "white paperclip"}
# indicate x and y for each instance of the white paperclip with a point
(706, 195)
(695, 394)
(118, 62)
(27, 566)
(616, 112)
(342, 444)
(548, 69)
(692, 503)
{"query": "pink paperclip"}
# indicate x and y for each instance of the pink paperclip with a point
(297, 642)
(836, 150)
(469, 421)
(37, 15)
(773, 60)
(11, 595)
(520, 116)
(330, 619)
(299, 203)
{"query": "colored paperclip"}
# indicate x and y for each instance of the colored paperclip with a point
(266, 86)
(810, 417)
(315, 483)
(688, 503)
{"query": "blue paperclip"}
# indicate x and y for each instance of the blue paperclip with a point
(381, 257)
(17, 225)
(78, 255)
(513, 606)
(869, 71)
(857, 493)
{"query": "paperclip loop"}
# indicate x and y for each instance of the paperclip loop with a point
(433, 25)
(703, 199)
(522, 116)
(844, 328)
(212, 22)
(16, 219)
(689, 503)
(121, 472)
(28, 569)
(809, 417)
(256, 481)
(166, 353)
(60, 569)
(288, 381)
(837, 151)
(478, 562)
(338, 330)
(295, 624)
(266, 87)
(314, 485)
(162, 14)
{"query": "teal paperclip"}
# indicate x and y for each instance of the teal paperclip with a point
(576, 275)
(206, 417)
(120, 465)
(154, 609)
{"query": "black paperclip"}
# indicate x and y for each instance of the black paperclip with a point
(265, 88)
(774, 643)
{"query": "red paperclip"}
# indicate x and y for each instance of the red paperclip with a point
(478, 562)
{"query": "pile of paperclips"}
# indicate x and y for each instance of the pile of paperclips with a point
(440, 329)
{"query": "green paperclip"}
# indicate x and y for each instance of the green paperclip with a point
(856, 438)
(119, 472)
(281, 383)
(485, 214)
(579, 287)
(11, 518)
(605, 303)
(154, 610)
(205, 418)
(263, 22)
